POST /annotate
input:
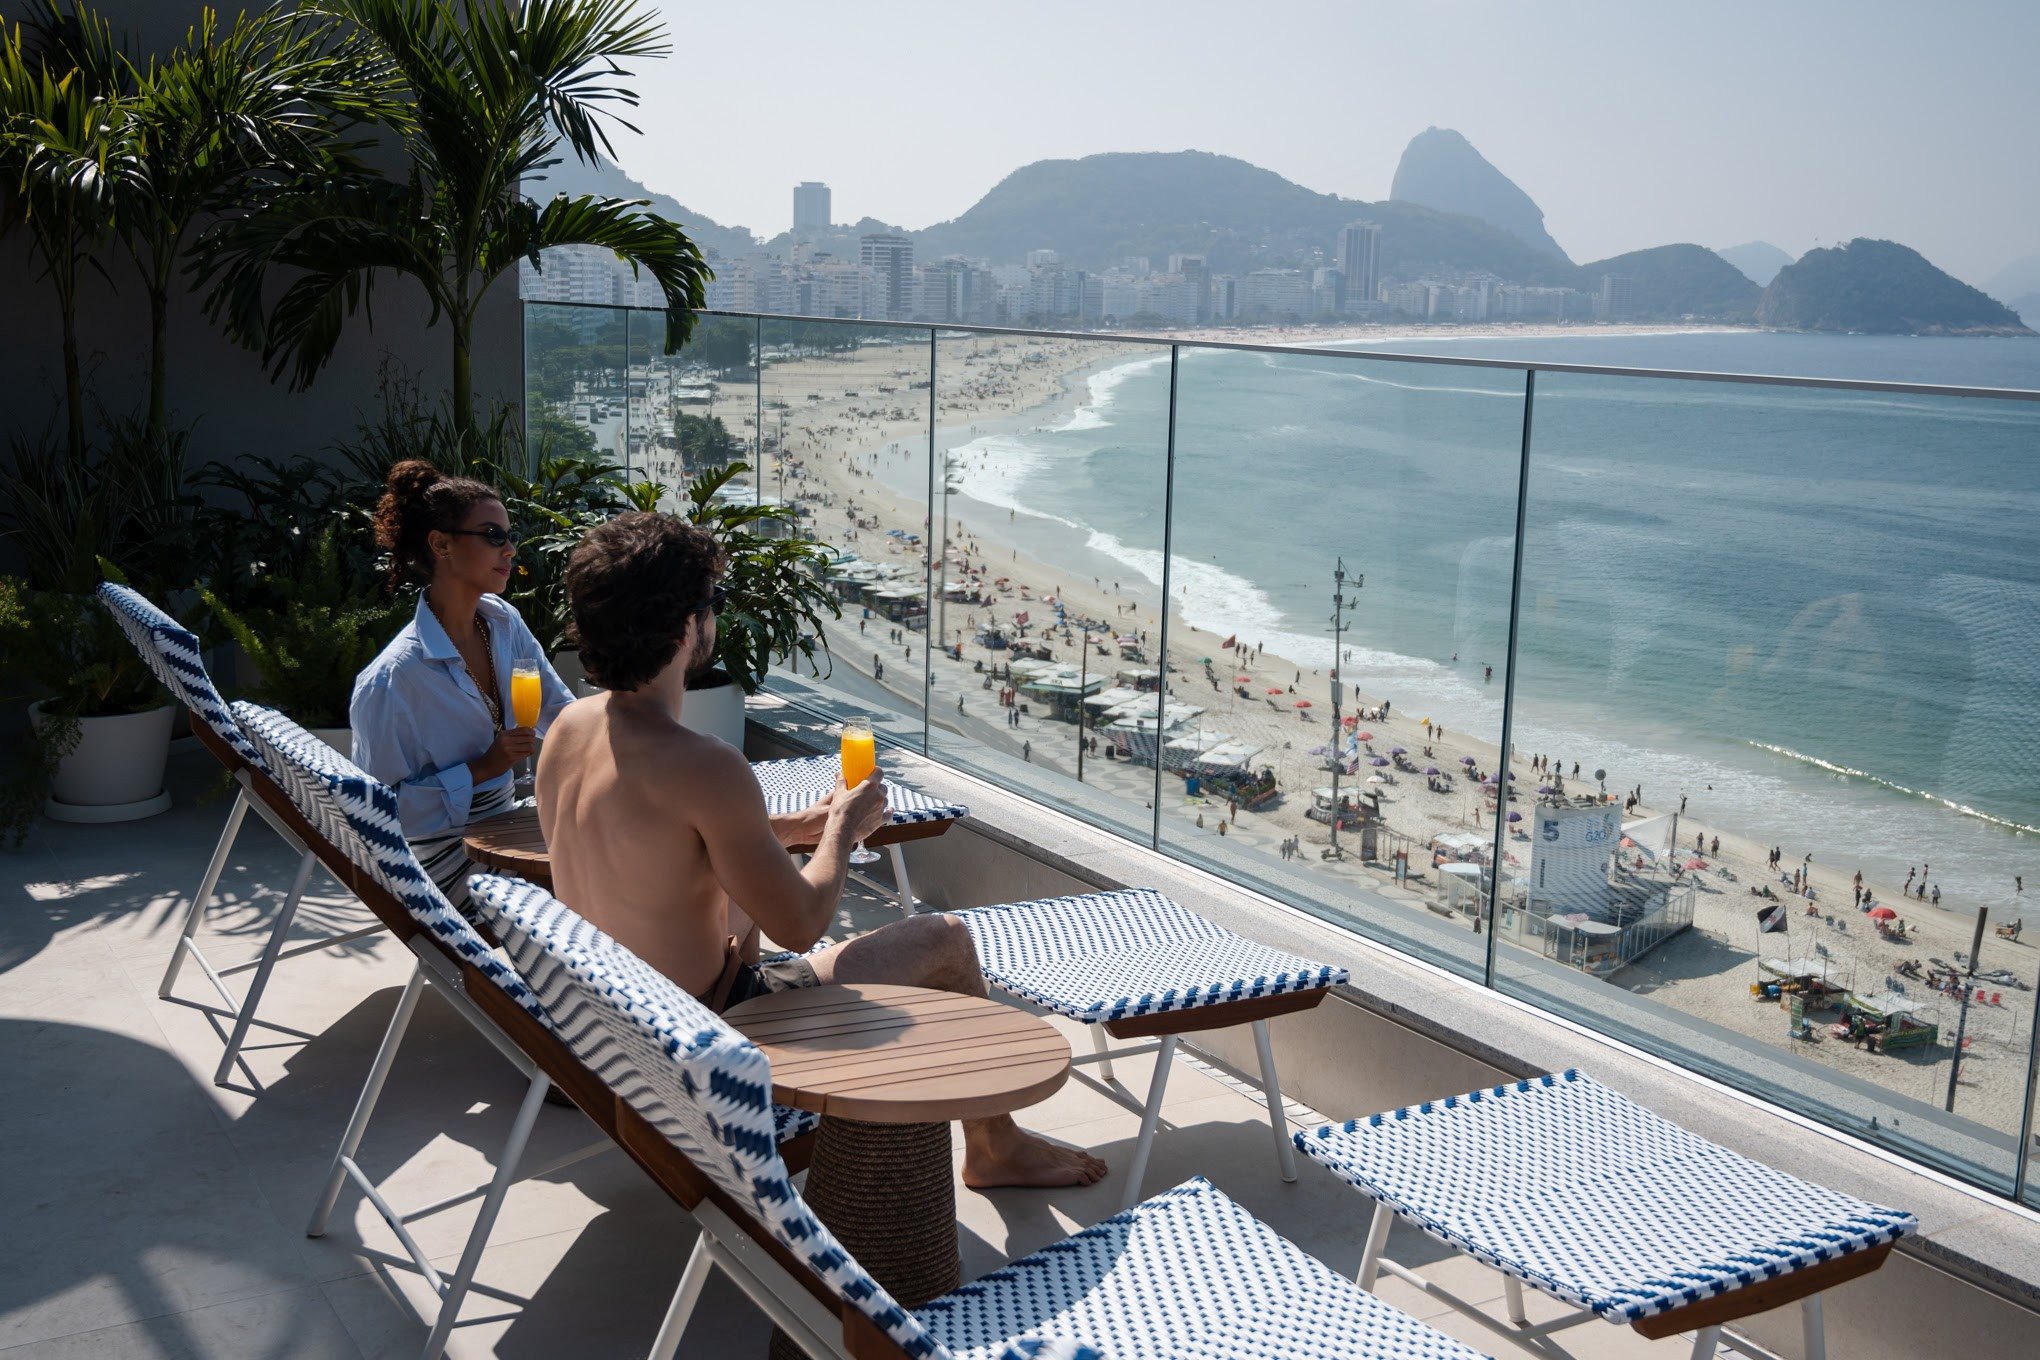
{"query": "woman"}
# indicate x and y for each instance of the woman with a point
(431, 715)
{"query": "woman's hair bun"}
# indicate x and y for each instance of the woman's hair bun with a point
(410, 478)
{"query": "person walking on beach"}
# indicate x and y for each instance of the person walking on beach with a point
(1923, 873)
(1682, 805)
(1490, 676)
(877, 667)
(1937, 894)
(1908, 880)
(1921, 892)
(1714, 847)
(1027, 751)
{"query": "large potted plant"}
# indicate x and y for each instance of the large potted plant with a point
(99, 724)
(322, 623)
(775, 599)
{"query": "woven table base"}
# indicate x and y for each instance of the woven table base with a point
(888, 1193)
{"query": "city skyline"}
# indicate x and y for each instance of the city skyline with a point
(1757, 124)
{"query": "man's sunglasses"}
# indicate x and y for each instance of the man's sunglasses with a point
(495, 535)
(715, 599)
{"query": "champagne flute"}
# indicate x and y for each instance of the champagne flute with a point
(860, 758)
(527, 699)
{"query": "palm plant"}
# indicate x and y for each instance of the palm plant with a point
(61, 133)
(488, 91)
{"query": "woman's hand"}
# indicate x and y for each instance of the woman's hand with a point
(511, 745)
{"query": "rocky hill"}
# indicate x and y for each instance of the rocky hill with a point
(1440, 169)
(1880, 287)
(1760, 261)
(573, 178)
(1098, 210)
(1679, 281)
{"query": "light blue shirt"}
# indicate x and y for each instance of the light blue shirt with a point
(418, 717)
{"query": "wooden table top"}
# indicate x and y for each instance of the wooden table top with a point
(902, 1055)
(515, 843)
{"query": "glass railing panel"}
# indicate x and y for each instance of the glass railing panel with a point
(1050, 475)
(573, 381)
(845, 454)
(1288, 470)
(1793, 637)
(693, 409)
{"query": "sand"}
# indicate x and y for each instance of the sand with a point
(843, 459)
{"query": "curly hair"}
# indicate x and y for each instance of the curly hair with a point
(632, 585)
(418, 498)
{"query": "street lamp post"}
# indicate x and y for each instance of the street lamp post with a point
(1083, 691)
(1338, 684)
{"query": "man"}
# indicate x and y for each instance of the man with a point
(659, 835)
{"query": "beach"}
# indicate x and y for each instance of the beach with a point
(858, 465)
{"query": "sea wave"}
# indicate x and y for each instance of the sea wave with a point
(1849, 772)
(1104, 388)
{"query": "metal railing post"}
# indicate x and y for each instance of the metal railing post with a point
(1162, 631)
(1494, 903)
(928, 588)
(2024, 1165)
(758, 409)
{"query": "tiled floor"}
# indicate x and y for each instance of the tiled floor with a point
(145, 1212)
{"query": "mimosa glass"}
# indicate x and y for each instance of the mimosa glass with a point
(860, 758)
(527, 698)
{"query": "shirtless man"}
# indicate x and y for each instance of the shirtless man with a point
(659, 835)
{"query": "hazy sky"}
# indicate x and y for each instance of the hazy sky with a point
(1631, 122)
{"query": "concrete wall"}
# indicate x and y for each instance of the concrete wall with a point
(216, 386)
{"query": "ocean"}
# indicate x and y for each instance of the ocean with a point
(1815, 614)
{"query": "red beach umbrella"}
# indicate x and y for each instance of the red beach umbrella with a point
(1275, 689)
(1366, 736)
(1883, 914)
(1303, 703)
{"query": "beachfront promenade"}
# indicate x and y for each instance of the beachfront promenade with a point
(991, 489)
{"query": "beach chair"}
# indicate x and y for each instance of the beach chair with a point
(1561, 1183)
(1187, 1273)
(1131, 964)
(797, 782)
(172, 652)
(351, 822)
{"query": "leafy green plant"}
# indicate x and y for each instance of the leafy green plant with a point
(63, 650)
(776, 594)
(484, 94)
(325, 626)
(563, 498)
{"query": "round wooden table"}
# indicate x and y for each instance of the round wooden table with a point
(888, 1069)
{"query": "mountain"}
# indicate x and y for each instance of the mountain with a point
(2028, 308)
(573, 177)
(1670, 282)
(2015, 280)
(1760, 261)
(1097, 210)
(1882, 288)
(1440, 169)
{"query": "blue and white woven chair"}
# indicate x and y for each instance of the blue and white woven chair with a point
(1188, 1273)
(797, 782)
(172, 653)
(1132, 964)
(354, 819)
(1561, 1183)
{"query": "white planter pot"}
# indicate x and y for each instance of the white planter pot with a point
(717, 710)
(115, 772)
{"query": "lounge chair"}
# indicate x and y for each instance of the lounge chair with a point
(795, 783)
(1560, 1183)
(1187, 1273)
(350, 821)
(172, 653)
(1132, 964)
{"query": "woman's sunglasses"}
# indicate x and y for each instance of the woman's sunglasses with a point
(495, 535)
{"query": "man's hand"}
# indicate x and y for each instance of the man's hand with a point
(861, 809)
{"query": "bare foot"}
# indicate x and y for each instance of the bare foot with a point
(1021, 1159)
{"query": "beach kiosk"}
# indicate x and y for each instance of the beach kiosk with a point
(1886, 1021)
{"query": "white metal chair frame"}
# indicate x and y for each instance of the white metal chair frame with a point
(154, 634)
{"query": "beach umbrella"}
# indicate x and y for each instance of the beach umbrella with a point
(1398, 750)
(1377, 760)
(1375, 779)
(1515, 816)
(1696, 864)
(1320, 750)
(1367, 736)
(1466, 760)
(1303, 703)
(1430, 769)
(1546, 788)
(1883, 914)
(1488, 782)
(1274, 689)
(1512, 774)
(1628, 844)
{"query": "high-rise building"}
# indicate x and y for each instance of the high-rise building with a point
(1197, 272)
(1616, 298)
(1360, 261)
(1037, 258)
(890, 260)
(810, 206)
(1327, 290)
(1275, 295)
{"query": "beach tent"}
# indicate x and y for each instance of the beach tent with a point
(1112, 698)
(1805, 966)
(1652, 835)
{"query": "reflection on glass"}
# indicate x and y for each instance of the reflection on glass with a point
(692, 410)
(1795, 629)
(846, 456)
(1048, 505)
(1343, 542)
(574, 380)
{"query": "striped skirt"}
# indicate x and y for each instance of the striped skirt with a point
(445, 858)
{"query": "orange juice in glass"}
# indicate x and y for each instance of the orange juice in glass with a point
(527, 698)
(860, 758)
